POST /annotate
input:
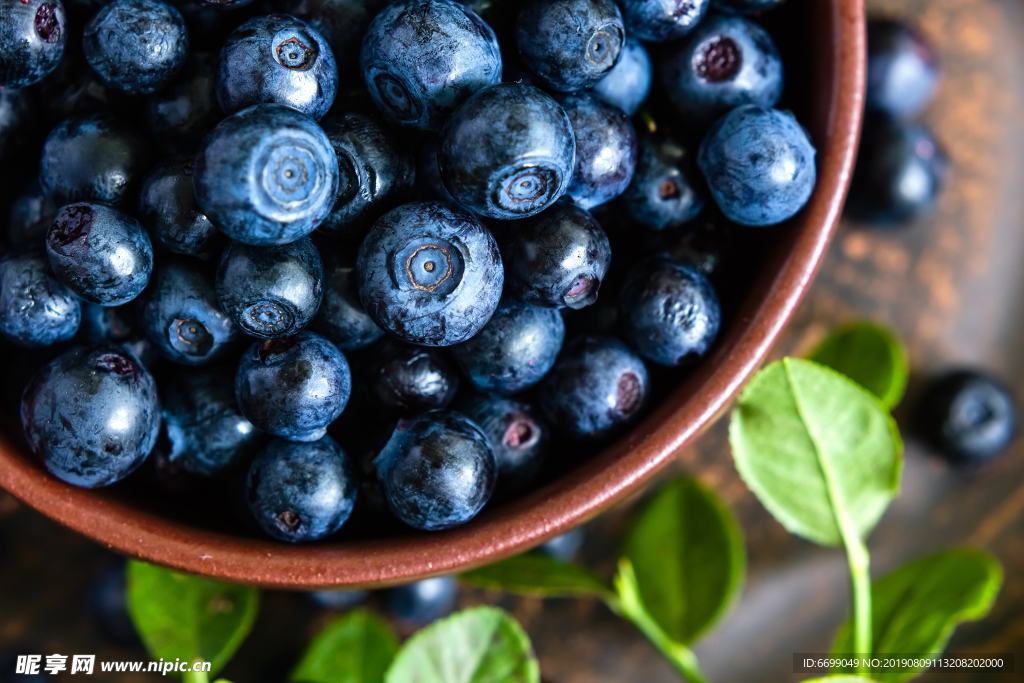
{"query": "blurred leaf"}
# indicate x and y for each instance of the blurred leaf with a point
(870, 355)
(355, 648)
(536, 574)
(840, 679)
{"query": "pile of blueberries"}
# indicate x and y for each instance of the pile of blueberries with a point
(377, 220)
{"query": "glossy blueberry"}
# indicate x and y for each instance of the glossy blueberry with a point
(186, 109)
(570, 44)
(339, 600)
(668, 311)
(724, 63)
(518, 437)
(92, 415)
(17, 119)
(968, 416)
(514, 350)
(95, 158)
(563, 548)
(179, 313)
(270, 291)
(430, 274)
(207, 431)
(899, 173)
(31, 215)
(745, 6)
(557, 259)
(169, 211)
(664, 192)
(597, 384)
(35, 309)
(341, 317)
(32, 36)
(374, 174)
(342, 23)
(437, 470)
(107, 605)
(301, 491)
(293, 387)
(423, 602)
(627, 85)
(277, 59)
(226, 4)
(422, 58)
(903, 72)
(606, 150)
(136, 45)
(759, 165)
(410, 379)
(660, 20)
(508, 152)
(99, 253)
(266, 175)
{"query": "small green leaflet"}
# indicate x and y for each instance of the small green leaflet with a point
(188, 618)
(917, 607)
(688, 556)
(871, 356)
(536, 574)
(840, 679)
(355, 648)
(479, 645)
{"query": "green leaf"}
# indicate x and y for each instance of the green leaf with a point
(871, 356)
(818, 450)
(479, 645)
(355, 648)
(840, 679)
(536, 574)
(189, 618)
(917, 607)
(687, 552)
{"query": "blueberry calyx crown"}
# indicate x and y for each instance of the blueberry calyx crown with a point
(115, 363)
(718, 60)
(604, 46)
(47, 24)
(190, 337)
(73, 223)
(526, 188)
(289, 521)
(431, 265)
(522, 433)
(627, 393)
(267, 317)
(295, 50)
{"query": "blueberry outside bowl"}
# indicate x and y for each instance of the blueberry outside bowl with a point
(831, 42)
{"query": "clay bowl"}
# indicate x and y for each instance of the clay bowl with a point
(827, 69)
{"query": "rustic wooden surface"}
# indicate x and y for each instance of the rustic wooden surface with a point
(951, 284)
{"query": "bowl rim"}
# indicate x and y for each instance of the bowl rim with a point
(577, 496)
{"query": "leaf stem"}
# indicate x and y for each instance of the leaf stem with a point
(860, 576)
(196, 677)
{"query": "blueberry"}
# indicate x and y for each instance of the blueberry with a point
(968, 416)
(899, 173)
(669, 312)
(293, 387)
(35, 309)
(374, 175)
(428, 174)
(92, 415)
(107, 605)
(266, 175)
(95, 158)
(32, 213)
(410, 379)
(745, 6)
(74, 89)
(17, 120)
(664, 192)
(181, 114)
(108, 325)
(342, 23)
(339, 600)
(724, 63)
(270, 291)
(136, 45)
(418, 604)
(902, 70)
(514, 350)
(563, 548)
(508, 152)
(32, 36)
(627, 85)
(570, 44)
(518, 437)
(759, 164)
(710, 247)
(430, 274)
(226, 4)
(341, 317)
(558, 258)
(277, 59)
(437, 470)
(101, 254)
(658, 20)
(422, 58)
(204, 426)
(301, 491)
(179, 313)
(606, 150)
(597, 384)
(169, 211)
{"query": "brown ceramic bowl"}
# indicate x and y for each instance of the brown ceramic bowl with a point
(832, 46)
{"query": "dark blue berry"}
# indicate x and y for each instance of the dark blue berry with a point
(339, 600)
(968, 416)
(410, 379)
(518, 437)
(664, 192)
(422, 58)
(92, 415)
(570, 44)
(342, 23)
(563, 548)
(277, 59)
(902, 70)
(514, 350)
(428, 174)
(661, 20)
(270, 291)
(35, 309)
(102, 255)
(301, 491)
(169, 211)
(31, 215)
(437, 470)
(186, 109)
(107, 605)
(759, 164)
(430, 274)
(627, 85)
(266, 175)
(606, 150)
(508, 152)
(136, 45)
(423, 602)
(17, 120)
(557, 259)
(341, 317)
(745, 6)
(597, 384)
(32, 36)
(293, 387)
